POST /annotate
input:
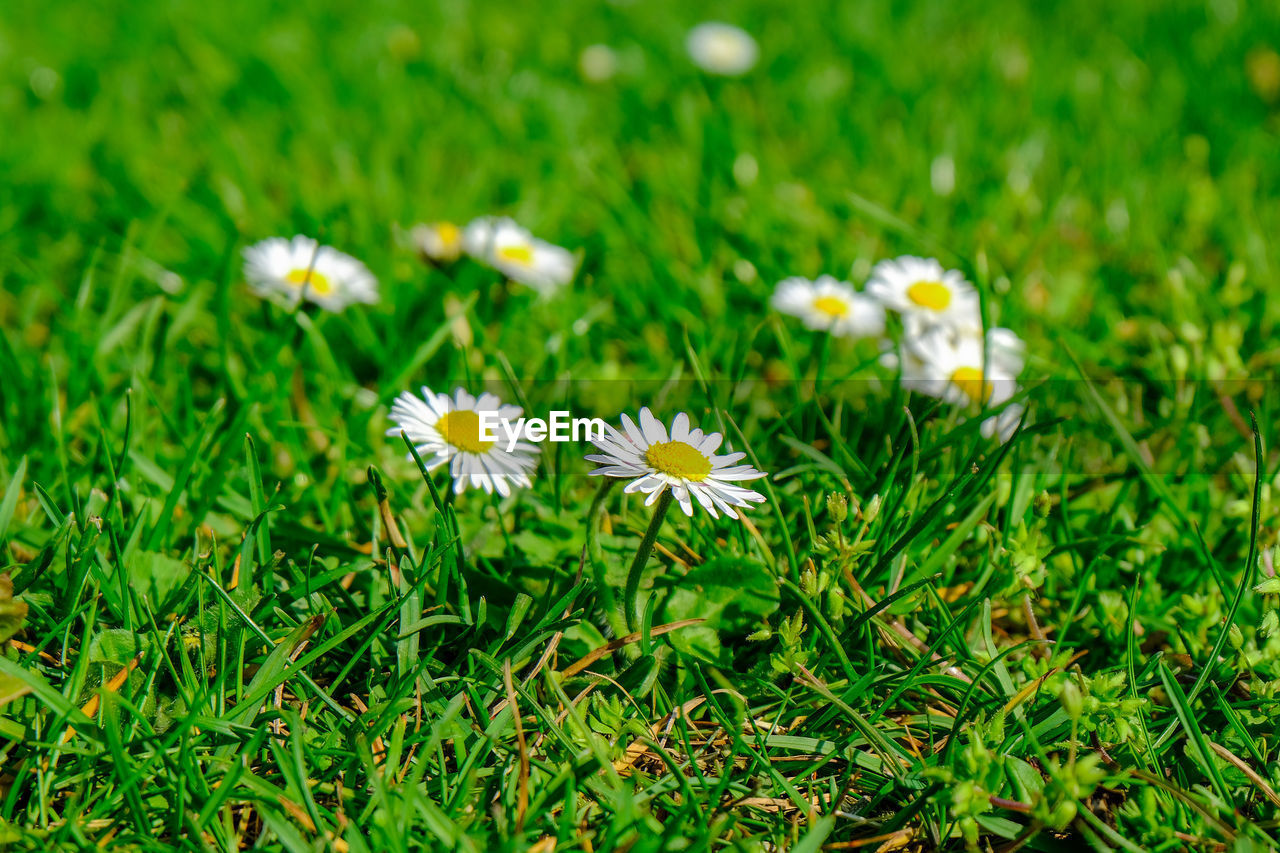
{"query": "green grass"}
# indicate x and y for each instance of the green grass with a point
(163, 433)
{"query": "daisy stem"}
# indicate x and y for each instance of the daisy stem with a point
(824, 352)
(632, 595)
(608, 603)
(502, 524)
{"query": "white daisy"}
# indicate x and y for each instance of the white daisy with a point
(683, 460)
(598, 62)
(722, 49)
(925, 294)
(951, 367)
(1004, 423)
(290, 271)
(448, 429)
(830, 305)
(517, 254)
(437, 241)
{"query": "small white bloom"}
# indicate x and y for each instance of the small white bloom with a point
(722, 49)
(437, 241)
(925, 294)
(889, 358)
(682, 460)
(951, 367)
(1004, 423)
(830, 305)
(598, 62)
(289, 271)
(511, 250)
(448, 429)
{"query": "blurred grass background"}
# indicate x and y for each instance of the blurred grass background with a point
(1107, 173)
(1086, 149)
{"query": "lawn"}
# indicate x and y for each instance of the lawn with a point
(237, 612)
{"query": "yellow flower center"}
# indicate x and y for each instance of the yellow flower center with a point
(969, 380)
(316, 282)
(461, 428)
(832, 306)
(678, 459)
(933, 295)
(518, 254)
(450, 235)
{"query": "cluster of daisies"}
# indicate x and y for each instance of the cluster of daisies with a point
(717, 48)
(447, 429)
(943, 351)
(291, 272)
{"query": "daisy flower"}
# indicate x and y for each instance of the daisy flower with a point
(446, 429)
(925, 294)
(951, 367)
(511, 250)
(830, 305)
(1004, 423)
(290, 271)
(722, 49)
(598, 62)
(683, 460)
(437, 241)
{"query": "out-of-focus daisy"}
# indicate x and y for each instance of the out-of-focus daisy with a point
(446, 429)
(722, 49)
(830, 305)
(683, 460)
(290, 271)
(517, 254)
(960, 368)
(598, 62)
(1004, 423)
(437, 241)
(925, 294)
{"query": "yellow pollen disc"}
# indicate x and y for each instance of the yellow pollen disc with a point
(450, 235)
(832, 306)
(969, 380)
(933, 295)
(678, 459)
(461, 428)
(516, 254)
(316, 282)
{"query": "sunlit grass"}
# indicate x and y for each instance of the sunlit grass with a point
(244, 617)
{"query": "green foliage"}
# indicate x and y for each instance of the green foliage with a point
(210, 638)
(12, 612)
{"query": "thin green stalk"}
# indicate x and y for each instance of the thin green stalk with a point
(604, 592)
(632, 595)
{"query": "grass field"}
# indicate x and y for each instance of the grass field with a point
(243, 618)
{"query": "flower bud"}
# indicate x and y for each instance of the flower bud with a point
(1072, 701)
(837, 507)
(873, 509)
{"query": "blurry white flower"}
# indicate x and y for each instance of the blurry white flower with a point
(517, 254)
(447, 429)
(437, 241)
(722, 49)
(925, 294)
(951, 367)
(290, 271)
(598, 62)
(830, 305)
(683, 460)
(1004, 423)
(888, 358)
